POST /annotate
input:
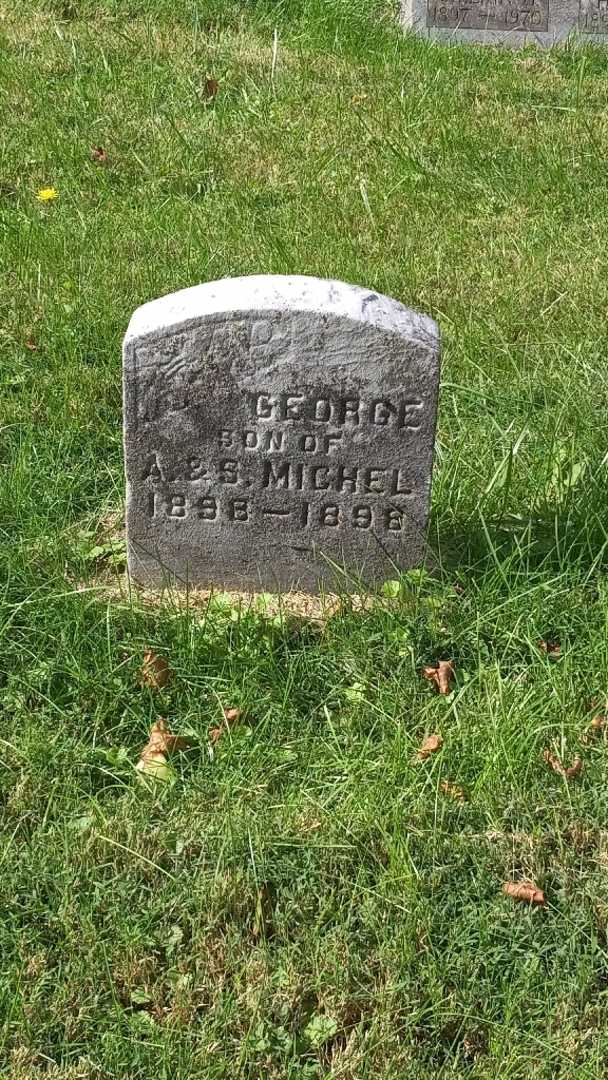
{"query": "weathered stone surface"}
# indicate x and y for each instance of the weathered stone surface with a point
(511, 23)
(593, 18)
(276, 427)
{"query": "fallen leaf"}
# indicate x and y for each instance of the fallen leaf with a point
(211, 88)
(154, 670)
(595, 728)
(31, 344)
(599, 722)
(441, 675)
(554, 762)
(153, 760)
(162, 740)
(231, 717)
(453, 791)
(524, 890)
(430, 745)
(99, 155)
(552, 649)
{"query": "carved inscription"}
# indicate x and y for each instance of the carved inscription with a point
(176, 377)
(524, 15)
(381, 412)
(279, 474)
(593, 16)
(180, 506)
(294, 445)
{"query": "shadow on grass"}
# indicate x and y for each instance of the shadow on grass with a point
(549, 537)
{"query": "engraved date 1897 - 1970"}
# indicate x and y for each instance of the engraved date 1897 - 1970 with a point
(522, 15)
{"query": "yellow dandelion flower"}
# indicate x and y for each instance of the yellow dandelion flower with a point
(47, 194)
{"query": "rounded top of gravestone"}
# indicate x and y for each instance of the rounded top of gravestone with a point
(287, 293)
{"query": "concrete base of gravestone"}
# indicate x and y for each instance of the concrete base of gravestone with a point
(510, 23)
(278, 431)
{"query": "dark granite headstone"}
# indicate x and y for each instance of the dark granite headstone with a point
(277, 430)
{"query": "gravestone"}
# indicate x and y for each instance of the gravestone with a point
(276, 429)
(512, 23)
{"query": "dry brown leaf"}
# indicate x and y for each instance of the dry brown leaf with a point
(430, 746)
(595, 728)
(153, 759)
(552, 649)
(231, 717)
(163, 740)
(441, 675)
(554, 762)
(599, 722)
(453, 791)
(154, 670)
(99, 155)
(211, 88)
(31, 343)
(524, 890)
(574, 769)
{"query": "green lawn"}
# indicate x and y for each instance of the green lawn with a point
(304, 900)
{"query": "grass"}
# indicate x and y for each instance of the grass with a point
(304, 900)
